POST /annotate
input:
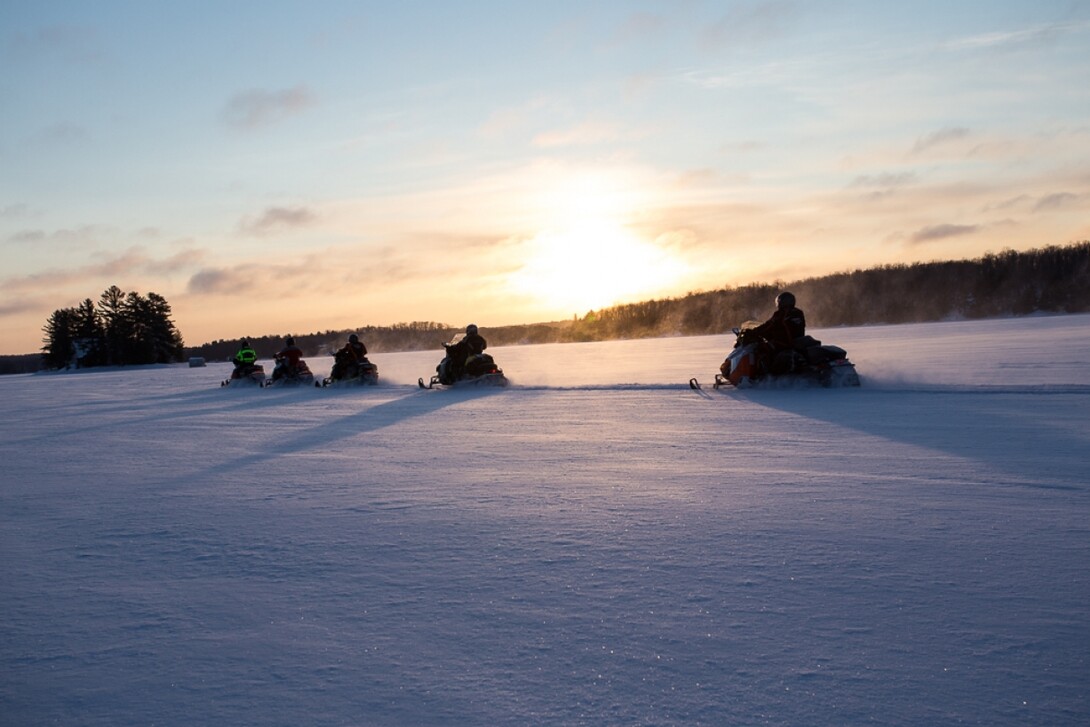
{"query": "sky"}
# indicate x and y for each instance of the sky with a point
(280, 167)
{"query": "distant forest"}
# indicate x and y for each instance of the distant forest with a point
(1048, 280)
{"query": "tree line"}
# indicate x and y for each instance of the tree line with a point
(121, 329)
(129, 328)
(1053, 279)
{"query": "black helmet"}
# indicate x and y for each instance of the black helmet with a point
(471, 329)
(244, 344)
(353, 338)
(290, 341)
(785, 300)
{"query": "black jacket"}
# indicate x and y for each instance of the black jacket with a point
(474, 344)
(783, 328)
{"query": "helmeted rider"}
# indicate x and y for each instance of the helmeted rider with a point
(347, 360)
(245, 357)
(472, 344)
(290, 354)
(474, 341)
(787, 324)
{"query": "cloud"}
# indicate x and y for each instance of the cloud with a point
(1055, 201)
(941, 232)
(19, 306)
(884, 181)
(70, 43)
(751, 23)
(640, 26)
(131, 262)
(940, 138)
(14, 211)
(1039, 35)
(881, 186)
(257, 108)
(587, 133)
(277, 219)
(219, 281)
(79, 237)
(64, 133)
(178, 262)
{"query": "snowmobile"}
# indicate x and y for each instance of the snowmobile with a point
(347, 372)
(480, 369)
(249, 375)
(808, 361)
(285, 375)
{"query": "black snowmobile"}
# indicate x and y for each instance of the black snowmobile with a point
(807, 361)
(349, 372)
(286, 375)
(479, 370)
(246, 375)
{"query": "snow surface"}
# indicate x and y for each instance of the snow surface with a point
(596, 544)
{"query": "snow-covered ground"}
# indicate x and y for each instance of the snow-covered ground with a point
(597, 544)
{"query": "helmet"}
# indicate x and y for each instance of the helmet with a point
(290, 341)
(353, 338)
(785, 300)
(471, 329)
(244, 343)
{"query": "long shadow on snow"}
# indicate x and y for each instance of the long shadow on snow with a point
(1018, 432)
(146, 409)
(415, 403)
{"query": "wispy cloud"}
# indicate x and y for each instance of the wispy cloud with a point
(18, 306)
(14, 211)
(586, 133)
(69, 238)
(134, 261)
(70, 43)
(1042, 34)
(257, 108)
(884, 181)
(941, 232)
(64, 133)
(881, 186)
(640, 26)
(749, 23)
(940, 138)
(1055, 201)
(277, 219)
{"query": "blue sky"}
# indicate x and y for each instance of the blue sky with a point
(285, 167)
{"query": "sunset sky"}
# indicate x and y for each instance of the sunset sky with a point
(273, 167)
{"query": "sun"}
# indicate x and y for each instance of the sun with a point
(593, 264)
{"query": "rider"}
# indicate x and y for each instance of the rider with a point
(779, 332)
(349, 357)
(472, 344)
(291, 354)
(245, 357)
(474, 341)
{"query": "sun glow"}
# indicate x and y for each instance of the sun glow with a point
(591, 265)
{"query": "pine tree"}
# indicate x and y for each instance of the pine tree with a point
(59, 348)
(111, 306)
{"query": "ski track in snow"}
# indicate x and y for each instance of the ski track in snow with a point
(594, 544)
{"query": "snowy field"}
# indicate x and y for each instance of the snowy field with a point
(595, 545)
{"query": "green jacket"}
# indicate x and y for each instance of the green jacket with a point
(246, 356)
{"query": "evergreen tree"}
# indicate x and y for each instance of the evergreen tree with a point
(111, 306)
(166, 339)
(59, 347)
(89, 335)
